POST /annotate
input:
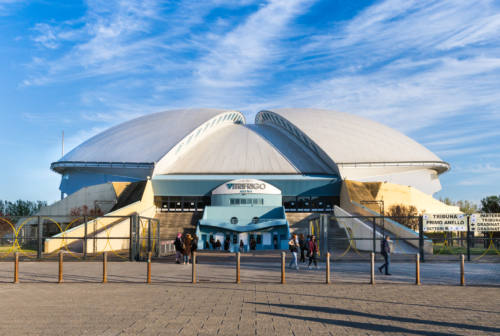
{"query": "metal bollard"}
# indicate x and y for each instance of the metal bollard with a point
(328, 267)
(283, 281)
(61, 256)
(193, 263)
(462, 270)
(238, 254)
(149, 268)
(16, 267)
(105, 267)
(417, 269)
(372, 269)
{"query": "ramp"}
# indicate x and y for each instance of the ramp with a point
(110, 232)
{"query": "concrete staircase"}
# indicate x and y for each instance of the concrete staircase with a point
(337, 237)
(172, 223)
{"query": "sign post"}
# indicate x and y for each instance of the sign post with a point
(444, 222)
(485, 222)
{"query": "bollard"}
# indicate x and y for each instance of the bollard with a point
(238, 267)
(283, 268)
(462, 270)
(372, 269)
(61, 256)
(193, 263)
(328, 267)
(105, 267)
(149, 268)
(16, 267)
(417, 269)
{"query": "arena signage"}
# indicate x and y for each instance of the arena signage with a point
(242, 186)
(444, 222)
(246, 186)
(485, 222)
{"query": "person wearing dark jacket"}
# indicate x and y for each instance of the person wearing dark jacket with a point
(385, 250)
(313, 251)
(226, 245)
(187, 248)
(253, 244)
(303, 248)
(194, 243)
(179, 248)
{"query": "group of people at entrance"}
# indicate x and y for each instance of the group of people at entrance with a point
(184, 247)
(307, 246)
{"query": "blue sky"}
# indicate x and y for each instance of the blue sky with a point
(430, 69)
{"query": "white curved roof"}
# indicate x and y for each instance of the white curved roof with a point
(348, 138)
(240, 149)
(144, 139)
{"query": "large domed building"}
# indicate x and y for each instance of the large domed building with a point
(243, 181)
(293, 144)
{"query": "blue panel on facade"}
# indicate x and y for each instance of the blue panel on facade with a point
(290, 185)
(73, 182)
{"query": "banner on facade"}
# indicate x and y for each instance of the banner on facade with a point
(444, 222)
(485, 222)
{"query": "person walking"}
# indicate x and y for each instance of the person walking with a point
(253, 244)
(179, 248)
(194, 243)
(303, 248)
(187, 248)
(242, 246)
(313, 252)
(293, 245)
(385, 250)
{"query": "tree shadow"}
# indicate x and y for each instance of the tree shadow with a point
(361, 325)
(340, 311)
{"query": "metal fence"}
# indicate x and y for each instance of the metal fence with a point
(355, 236)
(80, 237)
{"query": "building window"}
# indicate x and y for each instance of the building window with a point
(301, 203)
(246, 201)
(255, 220)
(290, 202)
(186, 204)
(310, 203)
(234, 220)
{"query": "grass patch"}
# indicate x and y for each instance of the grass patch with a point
(438, 249)
(7, 249)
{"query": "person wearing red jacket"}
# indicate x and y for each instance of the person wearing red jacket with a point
(313, 252)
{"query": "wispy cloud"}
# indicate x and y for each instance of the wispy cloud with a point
(239, 57)
(428, 68)
(8, 6)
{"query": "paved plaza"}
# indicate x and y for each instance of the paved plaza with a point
(260, 305)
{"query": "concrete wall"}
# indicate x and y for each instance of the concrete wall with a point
(299, 221)
(103, 196)
(392, 194)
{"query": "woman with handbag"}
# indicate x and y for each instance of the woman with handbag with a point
(293, 245)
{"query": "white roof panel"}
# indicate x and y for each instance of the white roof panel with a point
(144, 139)
(349, 138)
(239, 149)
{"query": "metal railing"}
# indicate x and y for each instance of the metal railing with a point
(81, 237)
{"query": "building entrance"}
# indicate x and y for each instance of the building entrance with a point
(244, 215)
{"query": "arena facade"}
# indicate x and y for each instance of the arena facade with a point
(209, 171)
